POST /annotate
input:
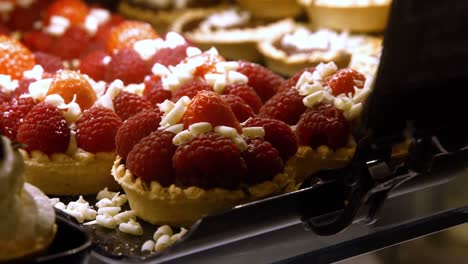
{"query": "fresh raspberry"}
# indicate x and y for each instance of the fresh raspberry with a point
(44, 128)
(96, 129)
(3, 99)
(15, 58)
(151, 158)
(291, 82)
(278, 133)
(49, 62)
(4, 30)
(262, 80)
(323, 124)
(37, 40)
(209, 161)
(247, 94)
(13, 114)
(74, 10)
(154, 91)
(104, 30)
(262, 159)
(169, 56)
(94, 65)
(344, 80)
(191, 88)
(126, 33)
(127, 66)
(286, 106)
(240, 108)
(71, 44)
(207, 106)
(135, 128)
(70, 85)
(127, 105)
(23, 87)
(23, 18)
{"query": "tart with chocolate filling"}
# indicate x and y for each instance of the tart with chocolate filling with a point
(199, 161)
(233, 32)
(302, 48)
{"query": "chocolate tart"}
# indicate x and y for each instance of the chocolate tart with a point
(234, 42)
(287, 54)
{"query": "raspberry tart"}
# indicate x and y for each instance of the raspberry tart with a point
(198, 160)
(27, 222)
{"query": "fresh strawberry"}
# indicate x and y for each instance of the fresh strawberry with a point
(74, 10)
(94, 65)
(262, 159)
(44, 128)
(127, 105)
(240, 108)
(291, 82)
(169, 56)
(15, 58)
(286, 106)
(207, 106)
(344, 80)
(126, 33)
(13, 114)
(151, 158)
(191, 88)
(323, 124)
(135, 128)
(209, 161)
(127, 66)
(37, 40)
(71, 44)
(262, 80)
(154, 91)
(278, 133)
(49, 62)
(96, 130)
(247, 94)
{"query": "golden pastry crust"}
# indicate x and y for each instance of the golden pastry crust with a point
(356, 18)
(61, 174)
(267, 9)
(281, 62)
(183, 206)
(232, 43)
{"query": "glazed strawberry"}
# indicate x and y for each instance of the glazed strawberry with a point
(278, 133)
(49, 62)
(13, 114)
(37, 40)
(207, 106)
(44, 128)
(262, 159)
(23, 87)
(96, 130)
(344, 80)
(286, 106)
(127, 66)
(71, 44)
(291, 82)
(170, 56)
(247, 94)
(262, 80)
(241, 109)
(69, 84)
(127, 105)
(94, 64)
(135, 128)
(151, 158)
(323, 125)
(191, 88)
(154, 91)
(209, 161)
(15, 58)
(126, 33)
(74, 10)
